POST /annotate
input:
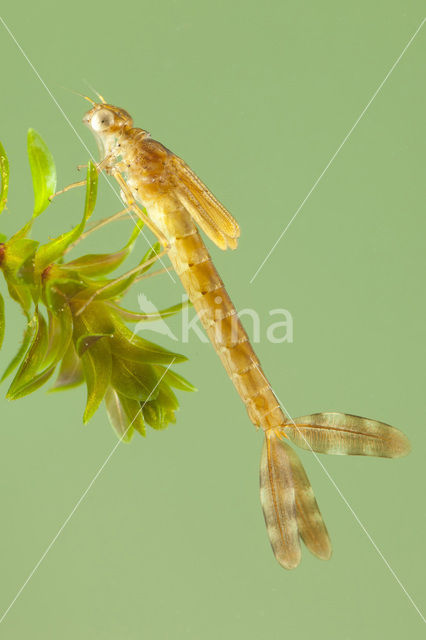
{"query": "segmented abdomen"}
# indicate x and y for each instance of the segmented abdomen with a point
(192, 263)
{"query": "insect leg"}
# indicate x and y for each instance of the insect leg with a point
(130, 201)
(104, 165)
(81, 183)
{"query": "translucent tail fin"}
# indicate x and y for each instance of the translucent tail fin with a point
(289, 506)
(344, 434)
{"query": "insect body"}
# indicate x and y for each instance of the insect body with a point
(176, 202)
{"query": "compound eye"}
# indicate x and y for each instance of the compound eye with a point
(102, 120)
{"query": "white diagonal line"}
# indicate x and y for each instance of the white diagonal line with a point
(80, 500)
(329, 163)
(74, 129)
(344, 499)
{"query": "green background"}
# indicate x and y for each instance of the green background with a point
(256, 96)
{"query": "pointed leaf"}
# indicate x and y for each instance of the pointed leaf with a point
(109, 289)
(86, 341)
(43, 171)
(150, 254)
(97, 264)
(22, 295)
(167, 398)
(91, 190)
(175, 380)
(97, 368)
(100, 264)
(33, 384)
(58, 338)
(157, 416)
(134, 379)
(33, 359)
(133, 316)
(71, 372)
(96, 320)
(29, 333)
(4, 174)
(154, 415)
(54, 249)
(58, 291)
(118, 416)
(125, 415)
(17, 252)
(134, 348)
(2, 320)
(117, 287)
(59, 335)
(139, 224)
(134, 413)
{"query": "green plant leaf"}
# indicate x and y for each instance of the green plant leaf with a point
(134, 316)
(134, 413)
(175, 380)
(18, 253)
(150, 254)
(29, 332)
(43, 171)
(95, 320)
(136, 349)
(138, 226)
(109, 289)
(117, 287)
(59, 335)
(134, 380)
(157, 416)
(71, 371)
(85, 335)
(54, 249)
(124, 414)
(59, 290)
(2, 320)
(97, 367)
(86, 341)
(97, 264)
(22, 295)
(167, 398)
(4, 173)
(117, 416)
(33, 358)
(91, 190)
(100, 264)
(32, 385)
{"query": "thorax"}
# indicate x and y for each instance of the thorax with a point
(143, 162)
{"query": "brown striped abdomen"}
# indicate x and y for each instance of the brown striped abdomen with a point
(192, 263)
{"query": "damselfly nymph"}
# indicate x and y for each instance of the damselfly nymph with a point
(160, 188)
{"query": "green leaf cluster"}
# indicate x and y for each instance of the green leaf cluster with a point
(75, 326)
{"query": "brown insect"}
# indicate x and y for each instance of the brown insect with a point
(176, 203)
